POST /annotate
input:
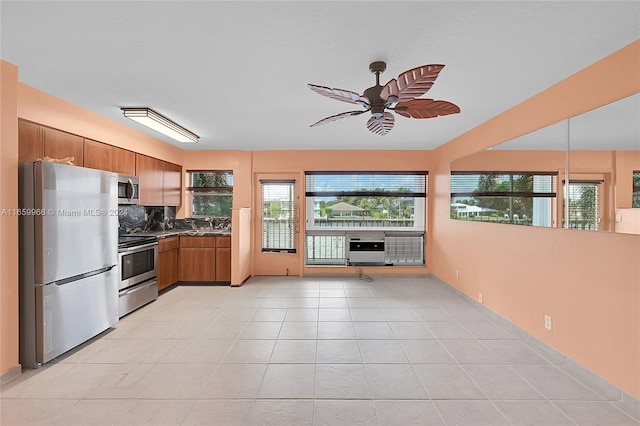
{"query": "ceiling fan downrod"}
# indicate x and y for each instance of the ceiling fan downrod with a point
(373, 93)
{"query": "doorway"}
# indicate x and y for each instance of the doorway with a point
(278, 246)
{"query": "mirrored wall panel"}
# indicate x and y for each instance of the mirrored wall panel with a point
(582, 173)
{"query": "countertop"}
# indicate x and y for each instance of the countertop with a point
(178, 232)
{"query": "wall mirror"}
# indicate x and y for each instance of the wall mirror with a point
(524, 181)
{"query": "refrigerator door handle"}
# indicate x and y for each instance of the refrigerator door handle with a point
(81, 276)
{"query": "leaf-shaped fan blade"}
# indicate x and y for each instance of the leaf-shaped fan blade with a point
(381, 126)
(337, 117)
(340, 94)
(426, 108)
(412, 84)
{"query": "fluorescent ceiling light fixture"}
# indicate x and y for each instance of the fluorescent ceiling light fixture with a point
(160, 123)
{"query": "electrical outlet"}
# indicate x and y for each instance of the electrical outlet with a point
(547, 322)
(457, 275)
(480, 298)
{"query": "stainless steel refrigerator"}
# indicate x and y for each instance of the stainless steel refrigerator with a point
(68, 257)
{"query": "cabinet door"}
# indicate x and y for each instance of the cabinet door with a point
(125, 161)
(30, 141)
(149, 170)
(172, 184)
(197, 264)
(98, 155)
(167, 268)
(58, 144)
(223, 264)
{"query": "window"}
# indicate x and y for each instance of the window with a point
(366, 200)
(211, 193)
(385, 206)
(278, 216)
(636, 190)
(523, 198)
(584, 205)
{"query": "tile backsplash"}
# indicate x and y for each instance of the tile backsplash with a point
(136, 218)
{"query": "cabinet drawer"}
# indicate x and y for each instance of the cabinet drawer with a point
(197, 241)
(168, 243)
(223, 241)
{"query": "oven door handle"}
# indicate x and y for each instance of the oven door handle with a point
(137, 248)
(151, 282)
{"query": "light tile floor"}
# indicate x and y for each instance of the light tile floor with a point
(324, 351)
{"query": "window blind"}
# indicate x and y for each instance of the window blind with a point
(389, 184)
(220, 181)
(503, 184)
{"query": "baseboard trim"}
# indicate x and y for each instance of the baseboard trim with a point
(11, 374)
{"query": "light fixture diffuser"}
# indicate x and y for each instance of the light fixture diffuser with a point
(160, 123)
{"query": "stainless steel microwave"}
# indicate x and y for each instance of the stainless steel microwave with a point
(128, 189)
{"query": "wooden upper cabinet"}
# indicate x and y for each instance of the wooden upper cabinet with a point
(150, 171)
(59, 144)
(30, 141)
(98, 155)
(172, 183)
(125, 163)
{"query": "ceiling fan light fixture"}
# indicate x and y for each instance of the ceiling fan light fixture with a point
(158, 122)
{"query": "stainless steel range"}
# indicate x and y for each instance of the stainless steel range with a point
(137, 261)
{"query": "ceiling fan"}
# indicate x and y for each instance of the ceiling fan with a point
(400, 95)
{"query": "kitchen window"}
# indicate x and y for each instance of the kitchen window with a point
(636, 190)
(211, 193)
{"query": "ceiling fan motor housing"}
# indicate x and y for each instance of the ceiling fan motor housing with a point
(376, 102)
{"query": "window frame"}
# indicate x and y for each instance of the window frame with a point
(291, 221)
(635, 190)
(213, 191)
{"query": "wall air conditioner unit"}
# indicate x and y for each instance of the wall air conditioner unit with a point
(366, 250)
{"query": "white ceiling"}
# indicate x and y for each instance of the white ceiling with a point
(236, 72)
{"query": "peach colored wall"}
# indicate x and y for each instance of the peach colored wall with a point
(628, 221)
(241, 249)
(504, 160)
(300, 161)
(42, 108)
(526, 272)
(625, 163)
(9, 364)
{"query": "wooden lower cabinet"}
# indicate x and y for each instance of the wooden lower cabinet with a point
(205, 259)
(197, 264)
(223, 264)
(167, 262)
